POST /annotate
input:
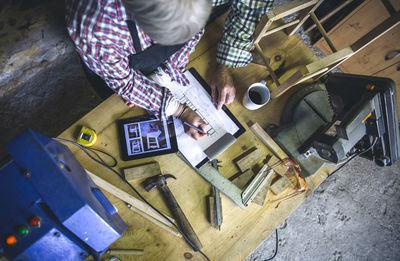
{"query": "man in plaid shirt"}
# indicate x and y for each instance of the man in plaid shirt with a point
(121, 40)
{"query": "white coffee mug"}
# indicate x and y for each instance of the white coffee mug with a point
(256, 96)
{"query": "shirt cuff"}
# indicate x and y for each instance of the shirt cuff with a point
(171, 105)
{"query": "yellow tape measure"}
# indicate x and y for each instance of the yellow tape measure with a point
(87, 137)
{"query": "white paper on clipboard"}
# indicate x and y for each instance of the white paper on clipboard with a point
(221, 126)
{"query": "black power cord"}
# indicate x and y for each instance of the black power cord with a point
(276, 246)
(354, 156)
(110, 167)
(336, 170)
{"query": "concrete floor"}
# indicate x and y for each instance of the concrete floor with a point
(354, 215)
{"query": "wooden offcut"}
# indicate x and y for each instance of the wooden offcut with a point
(249, 159)
(280, 185)
(268, 141)
(142, 171)
(143, 208)
(279, 170)
(243, 179)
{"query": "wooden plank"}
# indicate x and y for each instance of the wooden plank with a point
(363, 19)
(268, 141)
(141, 206)
(330, 60)
(371, 59)
(262, 194)
(329, 15)
(377, 32)
(249, 159)
(142, 171)
(291, 79)
(303, 16)
(266, 63)
(281, 27)
(323, 32)
(280, 185)
(311, 71)
(155, 221)
(291, 8)
(280, 170)
(243, 179)
(262, 27)
(395, 4)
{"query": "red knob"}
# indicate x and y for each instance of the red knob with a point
(36, 221)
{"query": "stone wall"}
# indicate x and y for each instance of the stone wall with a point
(32, 36)
(42, 85)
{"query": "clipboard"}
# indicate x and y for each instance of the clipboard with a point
(221, 141)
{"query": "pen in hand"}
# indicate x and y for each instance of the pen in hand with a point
(191, 126)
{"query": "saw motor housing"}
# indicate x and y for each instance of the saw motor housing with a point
(50, 208)
(330, 121)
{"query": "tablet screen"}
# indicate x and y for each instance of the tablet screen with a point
(146, 136)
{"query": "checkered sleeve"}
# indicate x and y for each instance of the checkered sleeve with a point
(234, 48)
(102, 39)
(134, 87)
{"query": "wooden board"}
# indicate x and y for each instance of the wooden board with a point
(371, 59)
(279, 170)
(142, 171)
(280, 185)
(243, 179)
(249, 159)
(252, 225)
(358, 23)
(395, 4)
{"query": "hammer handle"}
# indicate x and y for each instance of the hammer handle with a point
(179, 216)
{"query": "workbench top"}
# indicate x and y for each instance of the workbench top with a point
(242, 231)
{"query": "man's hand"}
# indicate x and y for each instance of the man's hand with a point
(222, 89)
(194, 119)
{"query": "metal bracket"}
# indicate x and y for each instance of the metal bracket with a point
(257, 184)
(216, 179)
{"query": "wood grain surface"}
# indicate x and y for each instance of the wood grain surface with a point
(242, 230)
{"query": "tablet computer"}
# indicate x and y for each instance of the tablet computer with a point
(146, 136)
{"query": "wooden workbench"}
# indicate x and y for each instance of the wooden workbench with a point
(242, 231)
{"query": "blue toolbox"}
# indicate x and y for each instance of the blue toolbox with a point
(50, 208)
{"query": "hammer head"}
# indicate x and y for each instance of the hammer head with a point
(156, 181)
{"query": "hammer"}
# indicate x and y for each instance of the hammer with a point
(160, 181)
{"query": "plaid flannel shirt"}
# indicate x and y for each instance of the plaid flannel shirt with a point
(101, 36)
(234, 48)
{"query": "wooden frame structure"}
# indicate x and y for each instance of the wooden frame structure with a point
(318, 68)
(266, 25)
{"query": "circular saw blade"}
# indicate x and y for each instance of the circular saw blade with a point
(312, 113)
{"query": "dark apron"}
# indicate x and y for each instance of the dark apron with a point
(148, 60)
(145, 61)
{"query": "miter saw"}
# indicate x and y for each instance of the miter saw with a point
(343, 116)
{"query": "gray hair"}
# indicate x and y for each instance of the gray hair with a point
(170, 22)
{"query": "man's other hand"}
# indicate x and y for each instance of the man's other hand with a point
(222, 89)
(194, 119)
